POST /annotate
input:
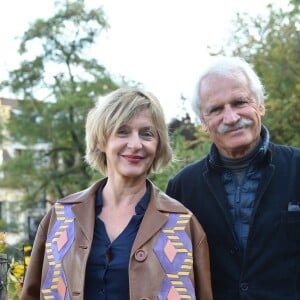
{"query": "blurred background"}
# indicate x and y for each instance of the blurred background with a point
(58, 57)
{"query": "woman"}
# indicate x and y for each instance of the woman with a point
(122, 238)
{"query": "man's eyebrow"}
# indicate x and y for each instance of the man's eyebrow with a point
(243, 98)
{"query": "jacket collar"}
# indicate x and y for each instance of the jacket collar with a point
(156, 215)
(162, 201)
(83, 206)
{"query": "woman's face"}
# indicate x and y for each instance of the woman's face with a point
(130, 151)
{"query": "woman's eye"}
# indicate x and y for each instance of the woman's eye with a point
(122, 131)
(148, 134)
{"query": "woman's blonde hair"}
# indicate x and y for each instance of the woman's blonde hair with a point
(115, 110)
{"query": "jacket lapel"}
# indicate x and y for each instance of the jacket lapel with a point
(83, 207)
(155, 216)
(152, 222)
(85, 214)
(263, 185)
(217, 189)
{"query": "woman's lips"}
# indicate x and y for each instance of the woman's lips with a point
(133, 158)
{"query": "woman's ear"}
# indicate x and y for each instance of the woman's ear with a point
(100, 147)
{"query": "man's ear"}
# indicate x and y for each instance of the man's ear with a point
(204, 125)
(262, 109)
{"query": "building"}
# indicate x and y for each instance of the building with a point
(17, 222)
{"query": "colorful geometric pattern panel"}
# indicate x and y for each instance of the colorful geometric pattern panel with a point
(173, 249)
(58, 243)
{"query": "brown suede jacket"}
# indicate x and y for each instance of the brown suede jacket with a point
(147, 275)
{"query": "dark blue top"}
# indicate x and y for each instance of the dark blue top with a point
(107, 266)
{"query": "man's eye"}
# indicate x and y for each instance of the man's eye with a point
(214, 111)
(242, 102)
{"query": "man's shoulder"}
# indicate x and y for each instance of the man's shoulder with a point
(192, 168)
(285, 150)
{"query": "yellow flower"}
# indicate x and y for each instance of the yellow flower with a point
(17, 269)
(2, 241)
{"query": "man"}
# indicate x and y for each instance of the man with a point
(246, 191)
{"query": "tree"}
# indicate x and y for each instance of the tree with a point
(58, 82)
(1, 130)
(189, 144)
(271, 44)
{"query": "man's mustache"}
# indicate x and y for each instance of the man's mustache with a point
(243, 122)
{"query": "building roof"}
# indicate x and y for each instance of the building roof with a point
(8, 102)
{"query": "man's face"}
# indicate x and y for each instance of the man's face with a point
(230, 114)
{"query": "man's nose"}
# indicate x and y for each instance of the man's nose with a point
(230, 115)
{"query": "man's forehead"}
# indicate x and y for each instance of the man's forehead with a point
(223, 87)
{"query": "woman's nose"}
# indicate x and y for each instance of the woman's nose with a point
(134, 142)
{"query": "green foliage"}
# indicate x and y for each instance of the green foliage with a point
(283, 120)
(11, 227)
(271, 44)
(1, 133)
(185, 151)
(59, 82)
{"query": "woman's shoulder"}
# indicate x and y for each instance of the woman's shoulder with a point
(167, 203)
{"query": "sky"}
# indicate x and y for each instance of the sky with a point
(161, 44)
